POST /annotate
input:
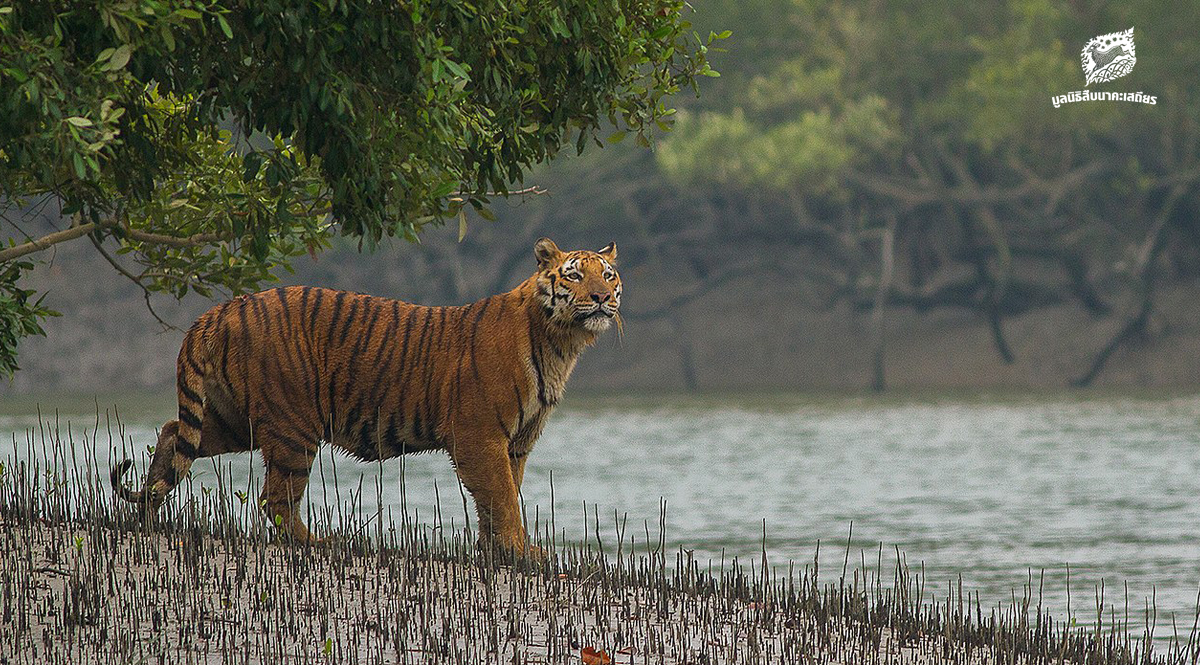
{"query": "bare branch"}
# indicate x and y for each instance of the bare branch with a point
(914, 192)
(1149, 250)
(531, 190)
(136, 280)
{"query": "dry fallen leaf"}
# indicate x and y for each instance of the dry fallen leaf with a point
(592, 657)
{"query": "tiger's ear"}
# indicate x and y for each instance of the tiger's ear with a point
(609, 252)
(546, 252)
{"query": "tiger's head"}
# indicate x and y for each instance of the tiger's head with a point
(578, 288)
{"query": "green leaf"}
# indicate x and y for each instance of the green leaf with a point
(456, 69)
(661, 32)
(225, 26)
(77, 161)
(79, 121)
(616, 137)
(445, 189)
(462, 224)
(120, 57)
(251, 164)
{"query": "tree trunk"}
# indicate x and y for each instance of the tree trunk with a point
(878, 323)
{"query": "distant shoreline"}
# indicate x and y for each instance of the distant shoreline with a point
(739, 337)
(162, 402)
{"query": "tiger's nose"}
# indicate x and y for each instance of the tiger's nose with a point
(601, 296)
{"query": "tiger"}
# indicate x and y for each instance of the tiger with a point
(286, 370)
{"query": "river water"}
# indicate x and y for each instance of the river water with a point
(989, 489)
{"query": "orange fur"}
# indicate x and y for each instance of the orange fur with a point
(293, 367)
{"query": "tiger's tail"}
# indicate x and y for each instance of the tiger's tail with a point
(122, 491)
(179, 441)
(154, 490)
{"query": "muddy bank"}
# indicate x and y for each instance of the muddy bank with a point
(207, 582)
(83, 594)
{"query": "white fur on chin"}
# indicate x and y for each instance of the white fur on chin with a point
(597, 323)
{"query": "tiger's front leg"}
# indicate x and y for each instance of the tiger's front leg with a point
(484, 468)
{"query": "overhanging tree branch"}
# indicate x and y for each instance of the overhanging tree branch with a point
(172, 241)
(49, 240)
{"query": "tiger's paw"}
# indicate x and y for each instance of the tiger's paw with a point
(513, 547)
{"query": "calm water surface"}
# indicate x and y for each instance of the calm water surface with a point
(989, 488)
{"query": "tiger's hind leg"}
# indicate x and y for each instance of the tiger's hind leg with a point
(289, 463)
(223, 430)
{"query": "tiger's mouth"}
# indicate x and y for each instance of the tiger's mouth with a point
(598, 313)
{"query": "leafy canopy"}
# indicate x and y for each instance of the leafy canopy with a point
(207, 142)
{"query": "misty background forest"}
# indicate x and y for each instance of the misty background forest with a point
(872, 194)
